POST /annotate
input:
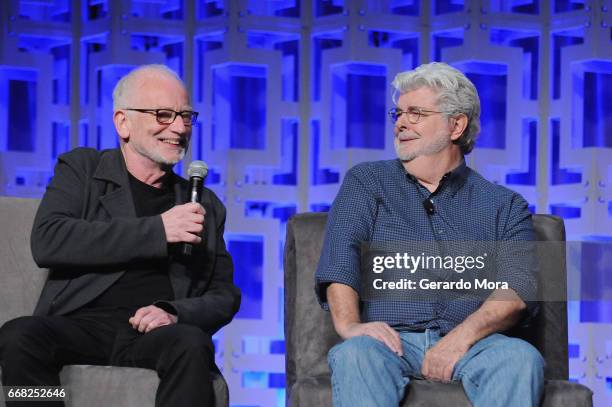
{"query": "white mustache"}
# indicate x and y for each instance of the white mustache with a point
(406, 135)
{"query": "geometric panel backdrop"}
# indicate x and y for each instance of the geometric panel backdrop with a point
(293, 93)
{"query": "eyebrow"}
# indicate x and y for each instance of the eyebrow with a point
(411, 107)
(187, 109)
(421, 108)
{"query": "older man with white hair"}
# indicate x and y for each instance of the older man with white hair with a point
(428, 194)
(110, 228)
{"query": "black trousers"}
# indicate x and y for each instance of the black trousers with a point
(34, 349)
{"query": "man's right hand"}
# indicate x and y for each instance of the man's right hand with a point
(184, 223)
(344, 306)
(377, 330)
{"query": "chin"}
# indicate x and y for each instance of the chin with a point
(405, 155)
(172, 160)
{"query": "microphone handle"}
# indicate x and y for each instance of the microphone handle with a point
(195, 195)
(195, 189)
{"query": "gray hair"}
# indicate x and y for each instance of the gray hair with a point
(456, 95)
(122, 88)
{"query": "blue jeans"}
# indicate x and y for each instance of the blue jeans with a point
(496, 371)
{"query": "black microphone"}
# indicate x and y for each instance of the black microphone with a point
(429, 206)
(198, 170)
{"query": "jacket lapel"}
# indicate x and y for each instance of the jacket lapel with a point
(117, 199)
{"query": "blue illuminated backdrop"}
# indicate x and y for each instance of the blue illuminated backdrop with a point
(292, 93)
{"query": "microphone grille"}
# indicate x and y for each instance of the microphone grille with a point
(198, 169)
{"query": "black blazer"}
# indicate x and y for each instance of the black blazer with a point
(86, 231)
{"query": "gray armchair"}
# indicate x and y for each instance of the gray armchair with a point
(20, 284)
(309, 332)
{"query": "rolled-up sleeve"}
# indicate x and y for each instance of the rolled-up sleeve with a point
(349, 224)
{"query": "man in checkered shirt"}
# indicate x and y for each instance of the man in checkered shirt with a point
(429, 194)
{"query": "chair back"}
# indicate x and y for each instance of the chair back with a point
(21, 281)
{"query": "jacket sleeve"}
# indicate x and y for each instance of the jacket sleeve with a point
(63, 237)
(220, 301)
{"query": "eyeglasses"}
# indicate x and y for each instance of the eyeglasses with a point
(167, 116)
(414, 114)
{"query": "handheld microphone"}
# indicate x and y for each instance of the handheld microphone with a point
(198, 170)
(429, 206)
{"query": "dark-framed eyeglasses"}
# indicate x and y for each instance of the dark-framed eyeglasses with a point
(414, 114)
(167, 116)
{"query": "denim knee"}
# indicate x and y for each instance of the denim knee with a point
(356, 351)
(522, 355)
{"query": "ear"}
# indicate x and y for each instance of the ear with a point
(121, 125)
(458, 126)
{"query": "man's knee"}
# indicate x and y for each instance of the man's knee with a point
(17, 334)
(188, 340)
(184, 348)
(356, 351)
(513, 356)
(522, 354)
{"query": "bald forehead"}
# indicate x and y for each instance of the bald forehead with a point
(150, 73)
(144, 78)
(149, 83)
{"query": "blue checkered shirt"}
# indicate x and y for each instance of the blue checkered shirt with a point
(380, 202)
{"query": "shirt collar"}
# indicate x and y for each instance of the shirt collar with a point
(453, 179)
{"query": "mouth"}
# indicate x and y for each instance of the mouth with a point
(405, 137)
(173, 142)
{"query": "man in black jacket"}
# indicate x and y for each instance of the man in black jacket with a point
(110, 227)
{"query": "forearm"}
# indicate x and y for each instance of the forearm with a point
(502, 310)
(344, 307)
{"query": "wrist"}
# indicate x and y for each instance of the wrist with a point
(462, 337)
(166, 306)
(344, 329)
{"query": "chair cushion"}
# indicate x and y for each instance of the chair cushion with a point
(316, 391)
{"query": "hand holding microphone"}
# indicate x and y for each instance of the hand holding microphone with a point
(185, 223)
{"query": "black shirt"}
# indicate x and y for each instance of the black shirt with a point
(146, 281)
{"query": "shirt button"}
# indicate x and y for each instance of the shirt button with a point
(441, 231)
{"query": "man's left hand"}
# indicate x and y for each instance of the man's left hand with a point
(151, 317)
(440, 359)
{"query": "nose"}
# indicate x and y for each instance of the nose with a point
(402, 122)
(178, 126)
